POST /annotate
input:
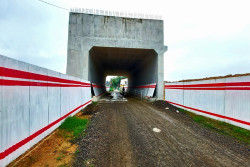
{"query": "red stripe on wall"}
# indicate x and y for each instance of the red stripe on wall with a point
(99, 94)
(211, 85)
(213, 114)
(5, 82)
(98, 86)
(144, 86)
(31, 137)
(219, 88)
(7, 72)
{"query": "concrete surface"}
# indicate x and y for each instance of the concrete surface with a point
(227, 104)
(25, 109)
(106, 45)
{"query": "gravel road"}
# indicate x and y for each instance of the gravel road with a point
(121, 134)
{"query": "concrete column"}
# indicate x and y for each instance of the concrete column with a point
(78, 62)
(160, 84)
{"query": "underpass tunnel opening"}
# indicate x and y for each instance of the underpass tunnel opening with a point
(138, 65)
(116, 82)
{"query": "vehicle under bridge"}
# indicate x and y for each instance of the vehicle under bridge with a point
(99, 46)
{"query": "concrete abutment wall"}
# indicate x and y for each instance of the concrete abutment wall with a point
(106, 45)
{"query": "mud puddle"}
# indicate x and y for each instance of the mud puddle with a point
(114, 96)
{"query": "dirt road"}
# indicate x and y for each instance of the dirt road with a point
(121, 134)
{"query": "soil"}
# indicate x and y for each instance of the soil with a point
(121, 134)
(55, 150)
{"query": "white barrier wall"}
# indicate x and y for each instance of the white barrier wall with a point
(225, 99)
(33, 102)
(143, 90)
(107, 88)
(98, 89)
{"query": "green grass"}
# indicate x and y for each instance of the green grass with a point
(111, 89)
(224, 128)
(74, 125)
(63, 165)
(94, 103)
(60, 157)
(76, 152)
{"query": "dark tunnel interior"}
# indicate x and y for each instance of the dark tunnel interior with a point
(139, 65)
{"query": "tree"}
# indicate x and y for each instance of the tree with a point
(115, 82)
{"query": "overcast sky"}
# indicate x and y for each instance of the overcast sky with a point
(204, 38)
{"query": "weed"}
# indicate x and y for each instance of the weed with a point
(63, 165)
(224, 128)
(60, 157)
(198, 119)
(76, 152)
(74, 125)
(94, 103)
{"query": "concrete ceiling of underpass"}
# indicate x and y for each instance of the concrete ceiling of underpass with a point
(120, 61)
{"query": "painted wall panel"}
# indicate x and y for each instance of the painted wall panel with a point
(74, 95)
(33, 102)
(238, 100)
(143, 91)
(208, 100)
(174, 95)
(86, 93)
(39, 116)
(224, 99)
(39, 113)
(54, 99)
(15, 115)
(2, 59)
(65, 99)
(98, 89)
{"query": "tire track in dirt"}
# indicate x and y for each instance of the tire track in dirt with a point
(121, 134)
(121, 150)
(184, 144)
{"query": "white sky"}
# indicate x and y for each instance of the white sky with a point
(109, 77)
(205, 38)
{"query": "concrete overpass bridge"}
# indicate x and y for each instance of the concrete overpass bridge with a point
(34, 100)
(99, 46)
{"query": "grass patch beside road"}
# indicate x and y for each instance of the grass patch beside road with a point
(74, 126)
(94, 103)
(59, 148)
(221, 127)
